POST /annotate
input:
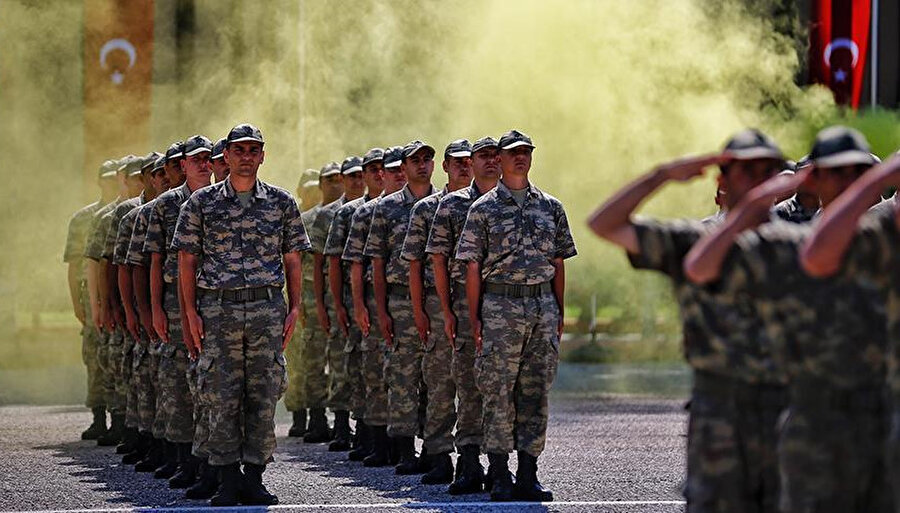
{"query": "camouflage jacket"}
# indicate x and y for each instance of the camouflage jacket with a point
(76, 239)
(360, 223)
(417, 234)
(390, 221)
(446, 226)
(136, 255)
(123, 236)
(115, 218)
(96, 237)
(516, 246)
(340, 230)
(318, 233)
(240, 247)
(309, 218)
(161, 228)
(791, 210)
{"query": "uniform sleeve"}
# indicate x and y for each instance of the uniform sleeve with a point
(416, 233)
(473, 237)
(136, 255)
(376, 241)
(318, 234)
(294, 238)
(662, 246)
(123, 237)
(565, 244)
(189, 228)
(356, 239)
(873, 249)
(112, 230)
(155, 238)
(440, 237)
(91, 246)
(337, 234)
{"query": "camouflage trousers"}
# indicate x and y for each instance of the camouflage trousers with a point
(144, 366)
(373, 350)
(469, 408)
(243, 374)
(437, 364)
(90, 350)
(295, 397)
(177, 402)
(322, 353)
(516, 369)
(131, 390)
(200, 446)
(353, 362)
(113, 378)
(832, 457)
(893, 454)
(403, 370)
(159, 418)
(732, 432)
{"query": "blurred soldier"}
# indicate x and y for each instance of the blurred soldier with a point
(802, 206)
(738, 391)
(351, 391)
(308, 192)
(79, 225)
(403, 370)
(373, 345)
(515, 240)
(217, 161)
(166, 309)
(440, 416)
(449, 279)
(239, 242)
(320, 334)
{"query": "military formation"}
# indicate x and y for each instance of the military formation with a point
(789, 309)
(420, 313)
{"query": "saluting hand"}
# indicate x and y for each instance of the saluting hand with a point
(686, 168)
(290, 322)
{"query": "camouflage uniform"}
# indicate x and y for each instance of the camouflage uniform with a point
(135, 257)
(373, 347)
(174, 372)
(403, 366)
(295, 397)
(791, 210)
(520, 352)
(242, 370)
(315, 340)
(437, 362)
(124, 376)
(447, 225)
(79, 226)
(738, 390)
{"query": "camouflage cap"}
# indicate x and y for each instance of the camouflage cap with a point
(218, 149)
(514, 139)
(838, 146)
(108, 169)
(133, 166)
(393, 156)
(124, 162)
(197, 144)
(413, 147)
(351, 165)
(485, 142)
(373, 155)
(244, 132)
(149, 160)
(458, 148)
(332, 168)
(159, 164)
(175, 151)
(309, 175)
(751, 144)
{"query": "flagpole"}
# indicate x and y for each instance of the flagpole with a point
(873, 82)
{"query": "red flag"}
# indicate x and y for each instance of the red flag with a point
(839, 41)
(118, 69)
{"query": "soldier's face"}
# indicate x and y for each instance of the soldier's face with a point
(310, 196)
(743, 175)
(219, 169)
(159, 181)
(373, 175)
(197, 167)
(516, 161)
(332, 186)
(830, 182)
(486, 163)
(244, 158)
(459, 170)
(135, 185)
(108, 186)
(174, 171)
(394, 179)
(354, 184)
(418, 167)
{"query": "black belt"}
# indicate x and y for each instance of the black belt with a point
(731, 388)
(242, 295)
(518, 291)
(403, 290)
(823, 396)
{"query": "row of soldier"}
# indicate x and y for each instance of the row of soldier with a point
(424, 313)
(790, 323)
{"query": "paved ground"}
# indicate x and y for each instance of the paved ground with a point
(605, 453)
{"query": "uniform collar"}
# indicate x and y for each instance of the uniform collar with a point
(504, 193)
(229, 192)
(184, 190)
(409, 197)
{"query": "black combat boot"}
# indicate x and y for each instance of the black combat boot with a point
(364, 444)
(409, 463)
(141, 447)
(188, 465)
(298, 428)
(98, 425)
(381, 448)
(341, 432)
(230, 481)
(253, 493)
(424, 461)
(114, 435)
(129, 441)
(528, 488)
(441, 470)
(154, 458)
(207, 485)
(169, 465)
(469, 472)
(394, 449)
(503, 489)
(318, 432)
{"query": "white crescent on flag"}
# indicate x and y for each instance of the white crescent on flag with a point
(837, 44)
(118, 44)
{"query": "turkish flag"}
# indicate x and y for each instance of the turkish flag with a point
(118, 70)
(839, 41)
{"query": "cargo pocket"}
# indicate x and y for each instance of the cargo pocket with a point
(204, 375)
(280, 374)
(167, 350)
(138, 353)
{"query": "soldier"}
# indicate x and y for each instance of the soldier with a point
(449, 279)
(174, 370)
(403, 369)
(73, 256)
(321, 335)
(217, 161)
(802, 206)
(738, 391)
(440, 415)
(373, 345)
(355, 194)
(239, 242)
(515, 241)
(308, 192)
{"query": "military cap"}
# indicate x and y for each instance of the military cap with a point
(803, 162)
(458, 148)
(393, 156)
(413, 147)
(332, 168)
(373, 155)
(134, 166)
(351, 165)
(218, 149)
(159, 164)
(149, 160)
(752, 144)
(124, 162)
(108, 169)
(514, 139)
(485, 142)
(197, 144)
(243, 133)
(840, 146)
(175, 151)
